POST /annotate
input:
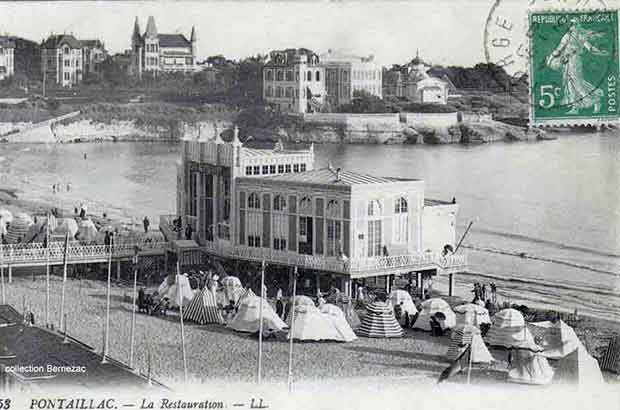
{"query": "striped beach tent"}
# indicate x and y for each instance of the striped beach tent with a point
(379, 321)
(611, 359)
(508, 330)
(203, 308)
(464, 335)
(18, 229)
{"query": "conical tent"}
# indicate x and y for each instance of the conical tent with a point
(559, 340)
(18, 229)
(529, 368)
(580, 368)
(232, 288)
(169, 289)
(336, 316)
(508, 329)
(379, 321)
(66, 225)
(247, 318)
(430, 308)
(312, 325)
(87, 231)
(398, 296)
(203, 308)
(463, 335)
(471, 312)
(301, 300)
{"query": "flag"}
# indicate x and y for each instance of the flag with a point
(456, 366)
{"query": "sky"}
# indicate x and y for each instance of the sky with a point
(446, 32)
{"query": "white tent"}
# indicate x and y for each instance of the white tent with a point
(301, 300)
(247, 318)
(338, 319)
(508, 329)
(169, 289)
(398, 296)
(463, 335)
(558, 339)
(429, 308)
(529, 368)
(311, 324)
(470, 313)
(66, 225)
(233, 289)
(580, 368)
(87, 232)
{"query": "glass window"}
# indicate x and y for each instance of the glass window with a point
(289, 75)
(253, 201)
(279, 76)
(265, 169)
(256, 170)
(317, 76)
(305, 206)
(272, 169)
(279, 203)
(296, 168)
(280, 169)
(309, 76)
(287, 168)
(248, 170)
(400, 206)
(302, 167)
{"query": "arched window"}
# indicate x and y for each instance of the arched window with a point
(269, 75)
(289, 75)
(400, 206)
(374, 208)
(278, 92)
(279, 203)
(375, 229)
(279, 75)
(305, 206)
(254, 201)
(269, 91)
(333, 209)
(317, 76)
(289, 91)
(309, 76)
(401, 221)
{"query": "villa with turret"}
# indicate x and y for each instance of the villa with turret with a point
(154, 52)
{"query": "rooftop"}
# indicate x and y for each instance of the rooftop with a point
(173, 40)
(57, 40)
(333, 177)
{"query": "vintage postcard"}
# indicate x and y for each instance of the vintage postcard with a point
(309, 205)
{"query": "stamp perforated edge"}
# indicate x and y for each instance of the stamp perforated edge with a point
(563, 122)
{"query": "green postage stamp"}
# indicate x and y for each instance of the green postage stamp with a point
(574, 67)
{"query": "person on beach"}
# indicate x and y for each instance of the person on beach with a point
(398, 312)
(54, 188)
(188, 232)
(493, 293)
(68, 186)
(82, 210)
(320, 299)
(146, 224)
(483, 292)
(279, 303)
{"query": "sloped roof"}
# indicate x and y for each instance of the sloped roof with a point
(57, 40)
(330, 176)
(151, 29)
(7, 42)
(91, 43)
(173, 40)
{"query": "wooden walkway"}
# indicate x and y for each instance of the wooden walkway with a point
(35, 254)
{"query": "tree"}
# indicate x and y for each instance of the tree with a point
(113, 73)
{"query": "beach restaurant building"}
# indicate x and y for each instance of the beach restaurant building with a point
(272, 205)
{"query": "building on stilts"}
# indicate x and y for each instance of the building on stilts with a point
(339, 227)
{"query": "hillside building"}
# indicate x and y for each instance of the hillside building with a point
(154, 52)
(412, 81)
(7, 57)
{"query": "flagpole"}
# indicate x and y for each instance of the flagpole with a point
(469, 365)
(292, 328)
(107, 312)
(133, 311)
(2, 279)
(260, 323)
(47, 270)
(64, 281)
(182, 327)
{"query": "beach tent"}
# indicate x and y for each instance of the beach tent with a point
(247, 317)
(470, 313)
(169, 289)
(301, 300)
(312, 325)
(580, 368)
(18, 228)
(379, 321)
(529, 367)
(38, 230)
(6, 215)
(611, 359)
(233, 289)
(557, 340)
(65, 225)
(337, 317)
(203, 308)
(463, 335)
(508, 329)
(398, 296)
(431, 307)
(87, 232)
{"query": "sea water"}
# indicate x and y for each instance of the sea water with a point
(556, 203)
